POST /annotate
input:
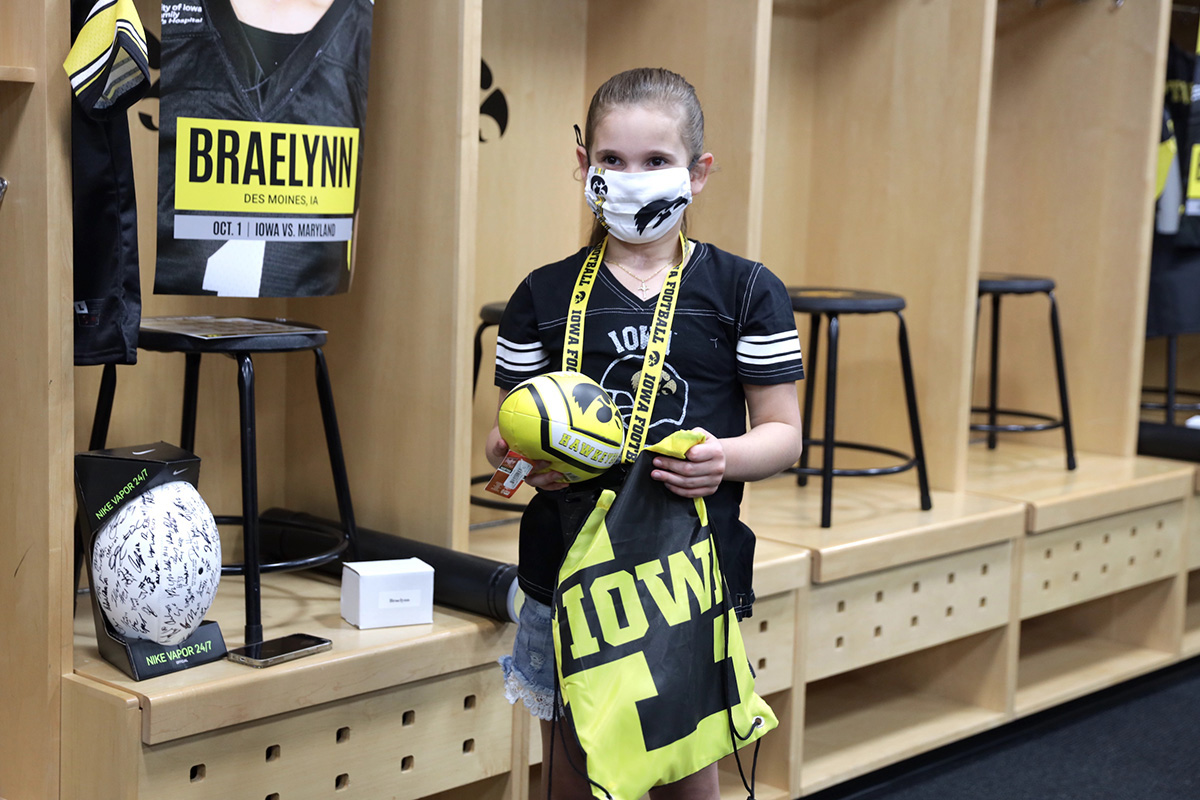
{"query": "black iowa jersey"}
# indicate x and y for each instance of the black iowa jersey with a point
(1173, 300)
(109, 72)
(733, 325)
(260, 154)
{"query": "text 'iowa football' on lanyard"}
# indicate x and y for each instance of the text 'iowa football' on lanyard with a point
(656, 349)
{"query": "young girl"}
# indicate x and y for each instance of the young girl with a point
(733, 350)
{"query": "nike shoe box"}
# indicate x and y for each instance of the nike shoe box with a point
(105, 480)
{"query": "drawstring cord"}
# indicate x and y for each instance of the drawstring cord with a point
(734, 736)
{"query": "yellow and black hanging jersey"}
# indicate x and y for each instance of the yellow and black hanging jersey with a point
(109, 71)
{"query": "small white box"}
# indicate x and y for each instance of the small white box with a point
(378, 594)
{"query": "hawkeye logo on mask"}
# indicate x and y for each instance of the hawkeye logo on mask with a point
(638, 206)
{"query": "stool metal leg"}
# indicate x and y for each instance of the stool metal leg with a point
(104, 406)
(250, 537)
(914, 421)
(830, 408)
(191, 390)
(478, 355)
(809, 388)
(993, 371)
(337, 461)
(1060, 366)
(1172, 375)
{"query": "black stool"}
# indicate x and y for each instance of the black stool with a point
(173, 335)
(1171, 392)
(997, 285)
(826, 303)
(489, 315)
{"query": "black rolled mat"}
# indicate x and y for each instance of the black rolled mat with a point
(460, 580)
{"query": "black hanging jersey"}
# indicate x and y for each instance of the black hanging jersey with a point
(109, 72)
(210, 72)
(1173, 301)
(733, 325)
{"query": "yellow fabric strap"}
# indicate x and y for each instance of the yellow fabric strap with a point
(573, 345)
(656, 349)
(1168, 151)
(677, 444)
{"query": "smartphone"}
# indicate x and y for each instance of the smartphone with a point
(277, 651)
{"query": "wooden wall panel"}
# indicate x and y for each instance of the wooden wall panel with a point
(1070, 176)
(400, 340)
(35, 467)
(721, 48)
(890, 198)
(531, 209)
(791, 117)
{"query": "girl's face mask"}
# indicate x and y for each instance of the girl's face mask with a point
(638, 207)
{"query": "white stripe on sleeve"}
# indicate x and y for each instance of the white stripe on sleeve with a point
(772, 349)
(520, 357)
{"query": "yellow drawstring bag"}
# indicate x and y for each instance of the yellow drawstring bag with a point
(651, 667)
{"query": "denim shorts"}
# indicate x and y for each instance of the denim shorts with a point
(529, 671)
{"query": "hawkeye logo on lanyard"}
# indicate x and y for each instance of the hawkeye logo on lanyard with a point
(656, 349)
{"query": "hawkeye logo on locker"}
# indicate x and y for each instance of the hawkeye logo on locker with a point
(265, 167)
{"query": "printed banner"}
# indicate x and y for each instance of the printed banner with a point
(260, 146)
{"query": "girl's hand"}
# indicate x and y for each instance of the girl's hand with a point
(699, 474)
(497, 448)
(550, 480)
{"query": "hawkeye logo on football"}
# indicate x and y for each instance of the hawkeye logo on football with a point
(265, 167)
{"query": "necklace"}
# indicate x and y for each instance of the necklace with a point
(644, 288)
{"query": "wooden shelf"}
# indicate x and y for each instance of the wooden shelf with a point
(1100, 486)
(12, 74)
(731, 782)
(1191, 617)
(1192, 537)
(871, 618)
(876, 523)
(222, 694)
(1069, 653)
(778, 566)
(878, 715)
(1081, 562)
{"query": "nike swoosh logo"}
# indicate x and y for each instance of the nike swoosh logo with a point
(179, 471)
(143, 452)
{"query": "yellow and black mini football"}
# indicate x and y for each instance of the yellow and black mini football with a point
(565, 418)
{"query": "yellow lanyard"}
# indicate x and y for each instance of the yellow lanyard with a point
(656, 349)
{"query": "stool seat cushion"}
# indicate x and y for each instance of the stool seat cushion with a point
(1003, 283)
(492, 312)
(182, 335)
(818, 299)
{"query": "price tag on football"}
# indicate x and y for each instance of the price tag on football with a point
(510, 475)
